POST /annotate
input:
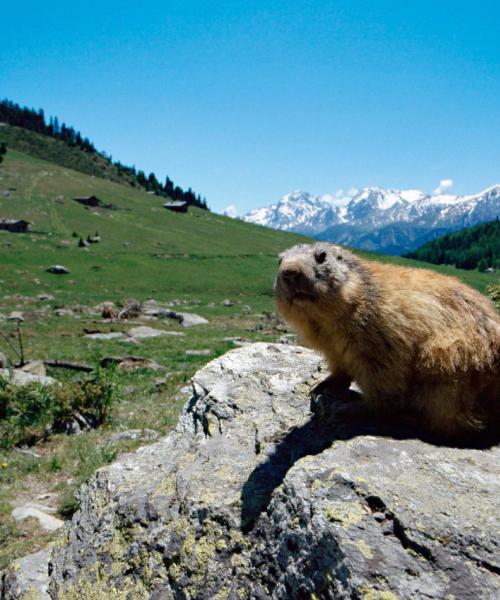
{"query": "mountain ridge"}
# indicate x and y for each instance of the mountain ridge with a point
(373, 217)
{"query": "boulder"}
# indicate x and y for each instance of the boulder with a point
(203, 352)
(58, 270)
(130, 363)
(185, 319)
(288, 338)
(64, 312)
(111, 335)
(20, 377)
(35, 367)
(27, 578)
(259, 493)
(16, 315)
(40, 512)
(143, 332)
(144, 435)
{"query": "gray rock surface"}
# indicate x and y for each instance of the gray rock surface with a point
(39, 512)
(35, 367)
(130, 363)
(255, 495)
(185, 319)
(105, 336)
(27, 578)
(145, 435)
(20, 377)
(16, 315)
(203, 352)
(143, 332)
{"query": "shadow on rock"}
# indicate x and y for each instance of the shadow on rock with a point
(341, 416)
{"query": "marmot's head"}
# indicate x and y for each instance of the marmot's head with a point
(310, 273)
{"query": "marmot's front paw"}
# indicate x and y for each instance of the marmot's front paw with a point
(327, 395)
(331, 385)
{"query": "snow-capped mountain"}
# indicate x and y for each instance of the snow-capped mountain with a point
(298, 211)
(390, 221)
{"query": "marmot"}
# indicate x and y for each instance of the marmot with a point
(406, 336)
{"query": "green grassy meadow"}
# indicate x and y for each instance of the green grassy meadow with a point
(199, 259)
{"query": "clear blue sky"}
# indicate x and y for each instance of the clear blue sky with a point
(248, 100)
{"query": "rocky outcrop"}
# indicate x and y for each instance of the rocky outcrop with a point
(257, 494)
(27, 578)
(20, 377)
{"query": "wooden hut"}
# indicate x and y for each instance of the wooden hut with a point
(176, 206)
(14, 225)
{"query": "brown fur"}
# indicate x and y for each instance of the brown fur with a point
(406, 336)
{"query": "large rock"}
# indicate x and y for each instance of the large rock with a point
(255, 496)
(143, 332)
(39, 512)
(185, 319)
(27, 578)
(111, 335)
(35, 367)
(20, 377)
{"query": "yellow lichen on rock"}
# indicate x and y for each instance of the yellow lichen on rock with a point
(91, 586)
(364, 548)
(345, 513)
(370, 593)
(31, 594)
(167, 486)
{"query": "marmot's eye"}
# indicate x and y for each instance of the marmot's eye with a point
(339, 257)
(320, 257)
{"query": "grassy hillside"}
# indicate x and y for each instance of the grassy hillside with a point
(144, 247)
(61, 153)
(27, 131)
(471, 248)
(198, 259)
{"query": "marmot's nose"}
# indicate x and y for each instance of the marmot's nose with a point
(290, 274)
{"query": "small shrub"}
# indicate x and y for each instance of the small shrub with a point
(30, 412)
(482, 265)
(68, 504)
(55, 464)
(493, 290)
